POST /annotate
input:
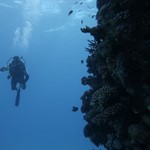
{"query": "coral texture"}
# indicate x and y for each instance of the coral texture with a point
(117, 105)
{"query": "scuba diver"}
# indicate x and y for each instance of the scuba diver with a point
(18, 74)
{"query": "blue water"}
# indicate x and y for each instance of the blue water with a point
(51, 43)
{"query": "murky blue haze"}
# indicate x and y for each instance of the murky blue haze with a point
(52, 44)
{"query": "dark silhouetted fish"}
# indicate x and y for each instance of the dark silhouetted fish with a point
(92, 16)
(81, 3)
(81, 21)
(89, 7)
(70, 12)
(82, 61)
(74, 109)
(76, 2)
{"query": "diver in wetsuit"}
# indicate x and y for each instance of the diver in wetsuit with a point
(17, 73)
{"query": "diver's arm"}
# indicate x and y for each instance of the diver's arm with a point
(6, 68)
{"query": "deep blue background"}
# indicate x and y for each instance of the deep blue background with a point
(52, 44)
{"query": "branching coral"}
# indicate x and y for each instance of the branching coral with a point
(91, 47)
(96, 32)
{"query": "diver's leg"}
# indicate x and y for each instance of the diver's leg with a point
(22, 83)
(23, 86)
(13, 84)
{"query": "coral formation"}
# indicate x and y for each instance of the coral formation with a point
(117, 105)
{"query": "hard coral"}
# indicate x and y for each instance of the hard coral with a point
(104, 97)
(107, 114)
(117, 105)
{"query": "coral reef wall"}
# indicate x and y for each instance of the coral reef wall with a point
(117, 105)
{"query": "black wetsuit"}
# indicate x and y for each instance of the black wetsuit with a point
(18, 74)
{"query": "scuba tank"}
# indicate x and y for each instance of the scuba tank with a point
(12, 58)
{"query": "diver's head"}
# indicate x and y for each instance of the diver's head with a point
(16, 58)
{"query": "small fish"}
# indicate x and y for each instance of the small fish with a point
(74, 109)
(70, 12)
(81, 3)
(89, 7)
(92, 16)
(76, 2)
(81, 21)
(82, 61)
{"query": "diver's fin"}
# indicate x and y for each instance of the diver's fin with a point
(17, 98)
